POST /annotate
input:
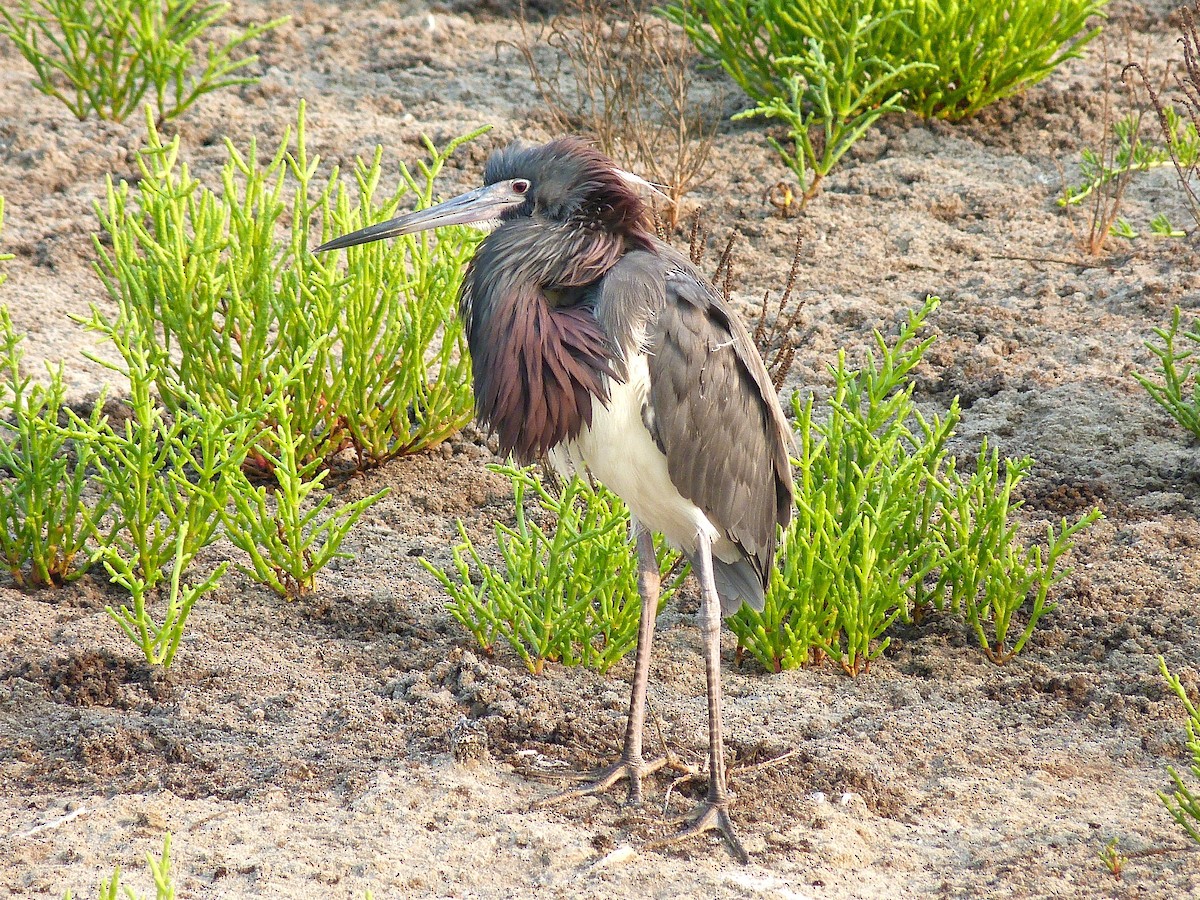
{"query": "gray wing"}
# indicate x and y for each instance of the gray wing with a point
(713, 412)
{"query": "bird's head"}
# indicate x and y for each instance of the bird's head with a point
(565, 181)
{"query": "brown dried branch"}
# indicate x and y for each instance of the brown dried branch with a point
(1188, 83)
(1104, 203)
(625, 78)
(774, 337)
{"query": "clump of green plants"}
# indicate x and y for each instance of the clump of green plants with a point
(160, 871)
(987, 573)
(290, 538)
(566, 592)
(109, 56)
(1174, 386)
(884, 527)
(163, 471)
(851, 557)
(834, 93)
(167, 478)
(46, 518)
(829, 68)
(1183, 803)
(970, 55)
(387, 369)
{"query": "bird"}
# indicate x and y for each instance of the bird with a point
(600, 348)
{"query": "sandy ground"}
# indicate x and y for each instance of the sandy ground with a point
(301, 750)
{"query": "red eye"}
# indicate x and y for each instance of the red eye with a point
(520, 186)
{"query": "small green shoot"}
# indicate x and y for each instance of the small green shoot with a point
(1123, 228)
(1182, 803)
(290, 540)
(1114, 860)
(1174, 385)
(159, 641)
(231, 277)
(567, 595)
(160, 870)
(107, 56)
(1162, 227)
(1130, 153)
(45, 520)
(1106, 173)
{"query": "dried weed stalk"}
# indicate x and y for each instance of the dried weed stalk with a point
(774, 338)
(1183, 156)
(625, 78)
(1104, 200)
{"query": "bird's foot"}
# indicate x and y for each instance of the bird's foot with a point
(713, 815)
(634, 770)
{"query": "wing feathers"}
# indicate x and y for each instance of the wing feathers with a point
(718, 417)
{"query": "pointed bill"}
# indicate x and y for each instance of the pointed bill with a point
(480, 205)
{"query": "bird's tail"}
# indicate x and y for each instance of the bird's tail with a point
(738, 582)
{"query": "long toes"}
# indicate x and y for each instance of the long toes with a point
(712, 817)
(605, 779)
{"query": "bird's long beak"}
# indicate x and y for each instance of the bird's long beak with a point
(480, 205)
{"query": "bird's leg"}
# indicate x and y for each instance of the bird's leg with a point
(713, 813)
(631, 764)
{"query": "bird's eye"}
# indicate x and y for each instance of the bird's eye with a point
(520, 186)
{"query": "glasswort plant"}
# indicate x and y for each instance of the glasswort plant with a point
(968, 55)
(858, 547)
(1182, 803)
(829, 68)
(987, 573)
(835, 92)
(884, 527)
(158, 641)
(168, 479)
(106, 56)
(45, 518)
(228, 277)
(1174, 386)
(288, 543)
(566, 595)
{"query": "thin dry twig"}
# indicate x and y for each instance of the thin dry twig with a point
(774, 340)
(767, 763)
(625, 78)
(1189, 85)
(1104, 203)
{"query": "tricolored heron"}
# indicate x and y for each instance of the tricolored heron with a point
(597, 345)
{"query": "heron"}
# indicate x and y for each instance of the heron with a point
(597, 346)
